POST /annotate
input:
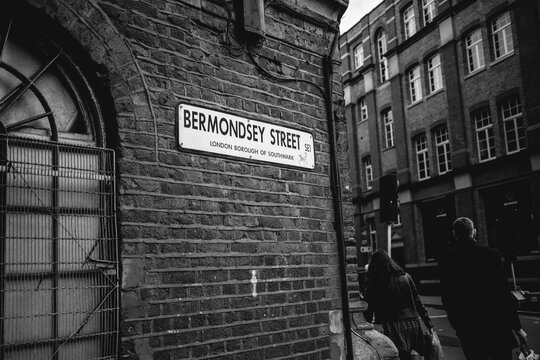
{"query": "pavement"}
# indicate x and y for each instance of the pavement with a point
(449, 341)
(530, 322)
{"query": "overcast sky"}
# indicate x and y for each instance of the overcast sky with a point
(356, 10)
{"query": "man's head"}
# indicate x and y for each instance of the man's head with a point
(464, 229)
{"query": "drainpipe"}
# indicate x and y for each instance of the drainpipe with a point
(369, 343)
(336, 197)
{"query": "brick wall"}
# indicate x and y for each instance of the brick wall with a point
(198, 230)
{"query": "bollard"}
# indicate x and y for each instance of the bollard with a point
(368, 343)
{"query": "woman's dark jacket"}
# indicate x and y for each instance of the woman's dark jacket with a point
(391, 300)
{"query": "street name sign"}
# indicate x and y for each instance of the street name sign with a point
(224, 134)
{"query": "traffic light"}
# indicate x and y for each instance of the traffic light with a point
(388, 198)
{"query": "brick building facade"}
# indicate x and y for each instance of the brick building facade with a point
(445, 95)
(119, 241)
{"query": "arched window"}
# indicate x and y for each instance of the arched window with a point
(381, 51)
(58, 242)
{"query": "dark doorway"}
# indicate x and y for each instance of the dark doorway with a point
(509, 220)
(437, 218)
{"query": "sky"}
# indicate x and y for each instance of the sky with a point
(356, 10)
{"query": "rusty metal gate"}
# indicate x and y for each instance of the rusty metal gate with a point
(59, 284)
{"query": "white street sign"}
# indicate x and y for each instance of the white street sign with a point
(210, 131)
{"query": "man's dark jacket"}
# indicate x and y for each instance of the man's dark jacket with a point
(475, 293)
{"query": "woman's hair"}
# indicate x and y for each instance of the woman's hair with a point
(382, 267)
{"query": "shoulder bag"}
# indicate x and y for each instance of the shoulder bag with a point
(429, 345)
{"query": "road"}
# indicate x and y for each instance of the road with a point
(451, 346)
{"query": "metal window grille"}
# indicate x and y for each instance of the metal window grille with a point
(59, 283)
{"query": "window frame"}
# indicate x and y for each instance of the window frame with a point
(358, 55)
(434, 72)
(362, 109)
(506, 38)
(474, 50)
(409, 22)
(382, 47)
(483, 116)
(517, 122)
(388, 128)
(368, 172)
(428, 11)
(415, 84)
(372, 231)
(422, 157)
(442, 149)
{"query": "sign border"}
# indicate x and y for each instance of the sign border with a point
(236, 158)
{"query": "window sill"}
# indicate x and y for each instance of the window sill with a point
(384, 84)
(515, 151)
(486, 160)
(475, 72)
(389, 148)
(502, 58)
(444, 173)
(436, 92)
(411, 105)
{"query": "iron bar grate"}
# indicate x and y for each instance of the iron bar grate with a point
(58, 251)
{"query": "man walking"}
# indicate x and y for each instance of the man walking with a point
(476, 297)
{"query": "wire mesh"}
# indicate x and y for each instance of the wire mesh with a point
(58, 251)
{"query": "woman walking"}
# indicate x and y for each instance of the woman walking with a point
(393, 299)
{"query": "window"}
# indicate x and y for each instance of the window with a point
(484, 135)
(59, 284)
(428, 7)
(422, 160)
(383, 61)
(475, 51)
(514, 129)
(372, 228)
(368, 173)
(501, 32)
(388, 122)
(362, 109)
(442, 144)
(409, 24)
(434, 73)
(415, 84)
(358, 56)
